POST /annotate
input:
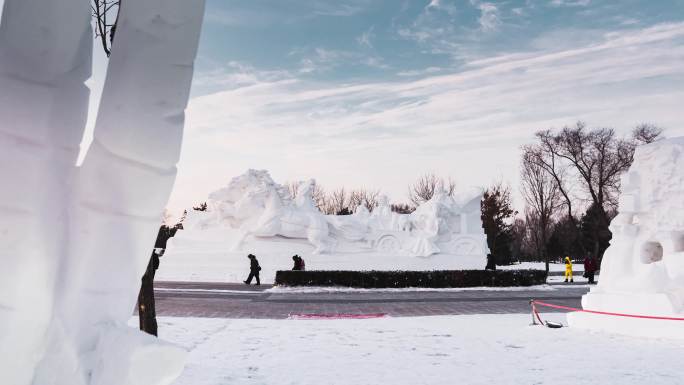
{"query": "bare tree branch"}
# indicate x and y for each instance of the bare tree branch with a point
(104, 30)
(647, 133)
(425, 187)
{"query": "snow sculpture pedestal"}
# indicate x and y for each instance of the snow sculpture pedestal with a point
(642, 272)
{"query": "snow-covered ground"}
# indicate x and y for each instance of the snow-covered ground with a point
(541, 266)
(472, 349)
(211, 260)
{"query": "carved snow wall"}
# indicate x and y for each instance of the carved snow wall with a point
(642, 272)
(255, 206)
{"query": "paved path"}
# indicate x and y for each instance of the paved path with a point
(225, 300)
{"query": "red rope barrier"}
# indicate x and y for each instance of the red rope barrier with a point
(535, 313)
(535, 302)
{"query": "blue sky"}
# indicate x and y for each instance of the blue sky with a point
(366, 93)
(362, 40)
(370, 93)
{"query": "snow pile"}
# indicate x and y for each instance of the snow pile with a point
(643, 270)
(443, 350)
(254, 206)
(74, 242)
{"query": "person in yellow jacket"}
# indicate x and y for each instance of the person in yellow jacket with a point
(568, 269)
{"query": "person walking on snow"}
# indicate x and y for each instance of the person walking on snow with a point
(254, 269)
(568, 270)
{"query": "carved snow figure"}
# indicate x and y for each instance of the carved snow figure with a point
(256, 206)
(74, 242)
(642, 272)
(382, 217)
(449, 224)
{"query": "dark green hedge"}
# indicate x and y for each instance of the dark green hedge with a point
(398, 279)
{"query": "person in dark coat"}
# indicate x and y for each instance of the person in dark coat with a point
(590, 268)
(254, 269)
(296, 266)
(491, 264)
(298, 263)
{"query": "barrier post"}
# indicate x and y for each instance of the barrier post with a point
(534, 319)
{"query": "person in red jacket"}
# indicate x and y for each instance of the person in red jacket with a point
(590, 268)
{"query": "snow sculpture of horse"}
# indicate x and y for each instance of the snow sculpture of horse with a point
(259, 207)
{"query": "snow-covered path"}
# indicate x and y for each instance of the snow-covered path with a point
(471, 349)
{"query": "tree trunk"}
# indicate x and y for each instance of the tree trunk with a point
(146, 308)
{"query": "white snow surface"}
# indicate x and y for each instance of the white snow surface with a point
(539, 266)
(642, 272)
(468, 349)
(210, 259)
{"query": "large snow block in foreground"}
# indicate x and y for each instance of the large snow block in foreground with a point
(642, 272)
(74, 242)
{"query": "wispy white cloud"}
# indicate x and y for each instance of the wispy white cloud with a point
(258, 15)
(375, 62)
(489, 17)
(365, 39)
(319, 59)
(441, 31)
(627, 20)
(570, 3)
(338, 7)
(467, 124)
(235, 75)
(421, 72)
(441, 5)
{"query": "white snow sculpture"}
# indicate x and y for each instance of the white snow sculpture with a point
(74, 242)
(642, 272)
(450, 224)
(258, 207)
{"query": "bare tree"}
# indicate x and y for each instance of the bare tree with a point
(338, 202)
(518, 238)
(545, 155)
(647, 133)
(363, 197)
(106, 15)
(595, 159)
(402, 208)
(425, 187)
(543, 199)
